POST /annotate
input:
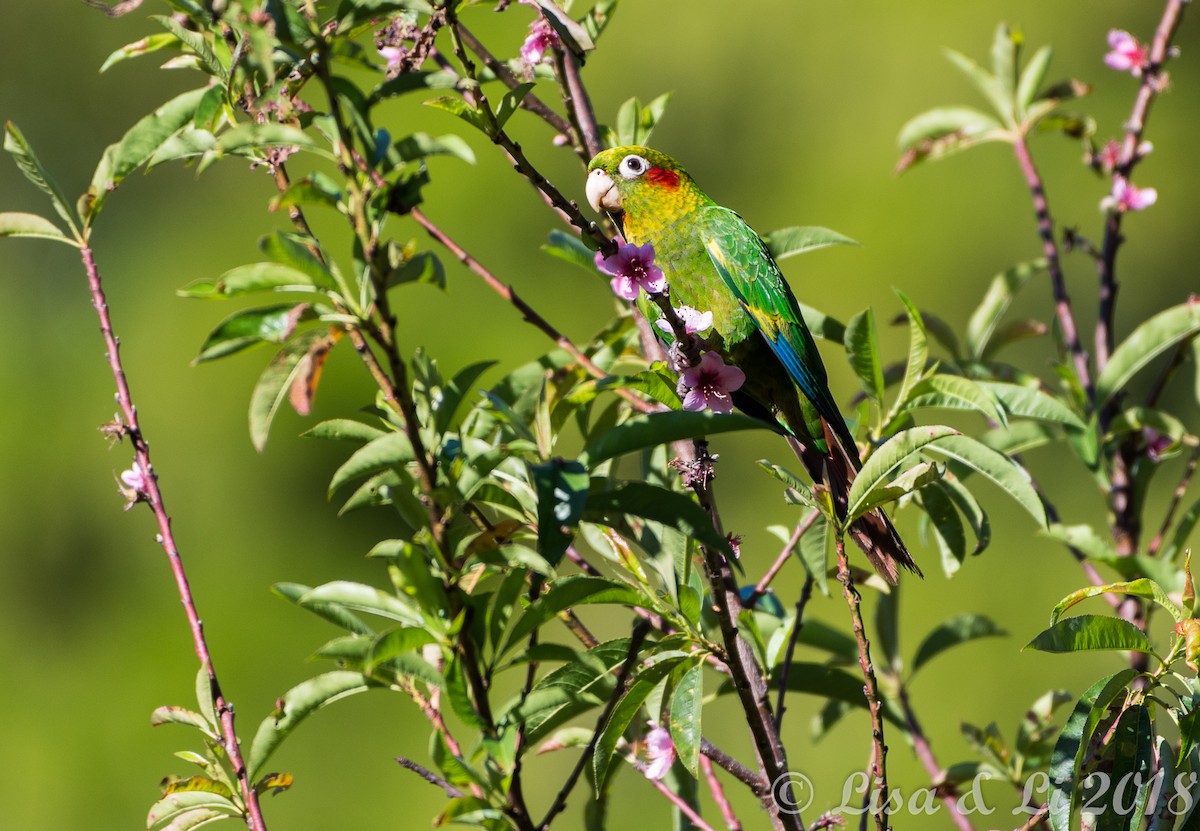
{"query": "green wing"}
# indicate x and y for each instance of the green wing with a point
(751, 273)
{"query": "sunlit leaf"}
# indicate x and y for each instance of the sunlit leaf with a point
(787, 242)
(652, 429)
(16, 144)
(862, 348)
(1087, 632)
(957, 630)
(986, 318)
(15, 224)
(1149, 340)
(296, 705)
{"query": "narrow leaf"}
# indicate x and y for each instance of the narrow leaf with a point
(862, 348)
(797, 239)
(1087, 632)
(16, 224)
(1144, 344)
(957, 630)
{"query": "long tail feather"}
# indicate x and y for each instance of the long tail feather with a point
(874, 532)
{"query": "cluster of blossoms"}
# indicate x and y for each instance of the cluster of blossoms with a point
(1126, 54)
(706, 386)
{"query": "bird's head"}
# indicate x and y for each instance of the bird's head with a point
(626, 179)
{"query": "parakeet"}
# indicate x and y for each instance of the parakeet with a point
(714, 262)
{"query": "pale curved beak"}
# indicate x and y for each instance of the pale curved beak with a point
(602, 192)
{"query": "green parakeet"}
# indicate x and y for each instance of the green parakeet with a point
(714, 262)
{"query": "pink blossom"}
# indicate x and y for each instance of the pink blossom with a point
(632, 269)
(693, 320)
(1110, 155)
(1126, 197)
(660, 753)
(540, 40)
(1127, 53)
(393, 55)
(134, 478)
(709, 383)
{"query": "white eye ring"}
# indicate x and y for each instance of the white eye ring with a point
(633, 166)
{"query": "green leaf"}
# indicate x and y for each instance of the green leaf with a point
(572, 249)
(825, 681)
(953, 392)
(411, 81)
(1144, 344)
(1183, 529)
(250, 278)
(567, 592)
(918, 352)
(142, 46)
(271, 324)
(997, 467)
(14, 224)
(344, 429)
(686, 701)
(250, 139)
(814, 554)
(1066, 761)
(574, 36)
(388, 451)
(423, 145)
(1142, 587)
(186, 810)
(958, 629)
(932, 128)
(16, 144)
(822, 325)
(298, 252)
(1132, 743)
(797, 239)
(337, 615)
(510, 103)
(1030, 402)
(635, 123)
(995, 303)
(360, 597)
(626, 710)
(275, 383)
(942, 520)
(915, 478)
(658, 505)
(1032, 77)
(862, 348)
(455, 105)
(876, 470)
(988, 84)
(195, 42)
(653, 429)
(1005, 47)
(137, 146)
(1086, 632)
(562, 491)
(296, 705)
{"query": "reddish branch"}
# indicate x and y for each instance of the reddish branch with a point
(1153, 82)
(153, 495)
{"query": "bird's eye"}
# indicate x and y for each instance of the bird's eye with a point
(633, 166)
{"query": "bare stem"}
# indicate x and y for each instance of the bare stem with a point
(429, 776)
(166, 538)
(870, 688)
(1185, 481)
(1062, 301)
(785, 668)
(785, 554)
(718, 795)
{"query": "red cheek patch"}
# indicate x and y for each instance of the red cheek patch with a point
(662, 176)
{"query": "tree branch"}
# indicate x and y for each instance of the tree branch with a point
(152, 494)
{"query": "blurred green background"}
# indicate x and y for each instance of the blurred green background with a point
(785, 111)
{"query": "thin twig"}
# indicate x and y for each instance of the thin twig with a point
(718, 795)
(430, 777)
(785, 668)
(759, 786)
(1062, 301)
(785, 554)
(1185, 481)
(152, 494)
(1039, 816)
(675, 799)
(640, 630)
(531, 316)
(870, 687)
